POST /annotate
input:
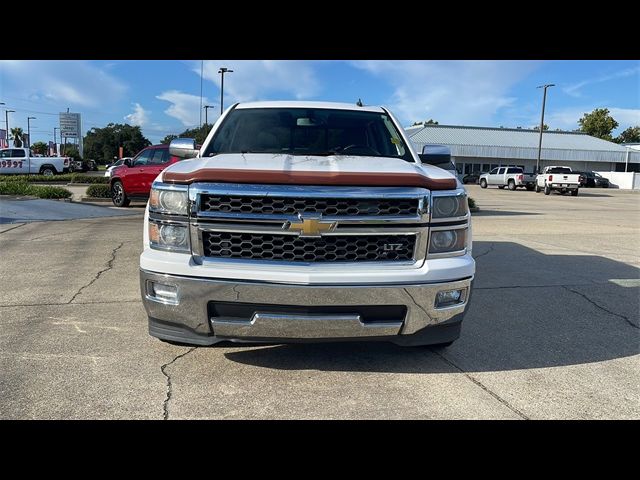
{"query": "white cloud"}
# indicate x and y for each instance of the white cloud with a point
(255, 79)
(75, 82)
(185, 107)
(574, 89)
(451, 92)
(140, 116)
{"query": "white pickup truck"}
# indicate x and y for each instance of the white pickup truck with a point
(511, 177)
(21, 161)
(558, 178)
(305, 221)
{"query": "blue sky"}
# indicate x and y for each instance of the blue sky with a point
(164, 96)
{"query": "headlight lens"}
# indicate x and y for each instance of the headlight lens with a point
(446, 241)
(169, 201)
(169, 237)
(451, 206)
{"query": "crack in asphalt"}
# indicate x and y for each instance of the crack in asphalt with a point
(165, 404)
(491, 246)
(97, 276)
(9, 229)
(68, 232)
(482, 386)
(626, 319)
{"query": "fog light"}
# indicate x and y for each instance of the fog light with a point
(162, 292)
(448, 298)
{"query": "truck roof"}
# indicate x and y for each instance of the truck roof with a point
(306, 104)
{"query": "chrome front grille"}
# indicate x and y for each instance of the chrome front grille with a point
(308, 224)
(347, 207)
(293, 248)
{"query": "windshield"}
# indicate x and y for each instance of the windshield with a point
(308, 131)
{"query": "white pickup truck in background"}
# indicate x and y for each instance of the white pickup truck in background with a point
(557, 178)
(21, 161)
(512, 177)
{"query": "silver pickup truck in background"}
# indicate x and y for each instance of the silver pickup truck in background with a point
(557, 178)
(508, 176)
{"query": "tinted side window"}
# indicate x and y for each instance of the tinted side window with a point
(18, 152)
(5, 154)
(493, 172)
(501, 170)
(160, 156)
(514, 170)
(143, 158)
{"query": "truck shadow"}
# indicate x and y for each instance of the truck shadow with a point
(500, 213)
(569, 310)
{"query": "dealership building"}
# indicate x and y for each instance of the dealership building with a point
(479, 149)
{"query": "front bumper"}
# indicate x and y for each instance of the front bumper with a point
(300, 312)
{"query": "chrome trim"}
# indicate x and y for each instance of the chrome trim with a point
(183, 148)
(302, 326)
(310, 191)
(196, 293)
(148, 294)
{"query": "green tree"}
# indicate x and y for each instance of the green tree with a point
(431, 121)
(101, 144)
(16, 136)
(198, 133)
(545, 127)
(70, 150)
(630, 135)
(40, 148)
(598, 124)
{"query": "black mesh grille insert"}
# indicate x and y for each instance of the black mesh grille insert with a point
(292, 248)
(348, 207)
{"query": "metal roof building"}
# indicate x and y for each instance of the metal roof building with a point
(485, 146)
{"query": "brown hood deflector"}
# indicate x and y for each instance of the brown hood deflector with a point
(274, 177)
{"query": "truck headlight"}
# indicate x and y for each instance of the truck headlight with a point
(446, 241)
(169, 236)
(449, 206)
(170, 201)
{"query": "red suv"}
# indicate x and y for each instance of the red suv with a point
(134, 179)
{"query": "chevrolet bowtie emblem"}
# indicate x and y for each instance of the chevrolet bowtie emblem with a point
(310, 227)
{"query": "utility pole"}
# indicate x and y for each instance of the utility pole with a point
(201, 72)
(222, 71)
(544, 100)
(206, 116)
(55, 141)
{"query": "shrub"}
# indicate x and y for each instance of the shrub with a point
(472, 202)
(99, 191)
(40, 191)
(66, 178)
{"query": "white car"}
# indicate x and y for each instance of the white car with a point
(115, 165)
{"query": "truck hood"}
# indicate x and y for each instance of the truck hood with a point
(267, 168)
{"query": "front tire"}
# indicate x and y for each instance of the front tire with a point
(512, 185)
(537, 188)
(483, 183)
(118, 196)
(574, 193)
(547, 189)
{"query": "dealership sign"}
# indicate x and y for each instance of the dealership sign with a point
(70, 125)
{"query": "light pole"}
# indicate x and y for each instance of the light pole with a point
(6, 134)
(544, 100)
(28, 146)
(206, 116)
(55, 141)
(6, 120)
(222, 71)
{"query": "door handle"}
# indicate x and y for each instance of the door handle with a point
(141, 169)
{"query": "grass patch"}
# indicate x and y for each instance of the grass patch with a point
(99, 191)
(40, 191)
(472, 202)
(66, 178)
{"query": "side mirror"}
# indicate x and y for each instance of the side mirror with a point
(183, 148)
(127, 162)
(435, 154)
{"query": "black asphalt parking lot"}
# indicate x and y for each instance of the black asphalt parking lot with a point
(552, 331)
